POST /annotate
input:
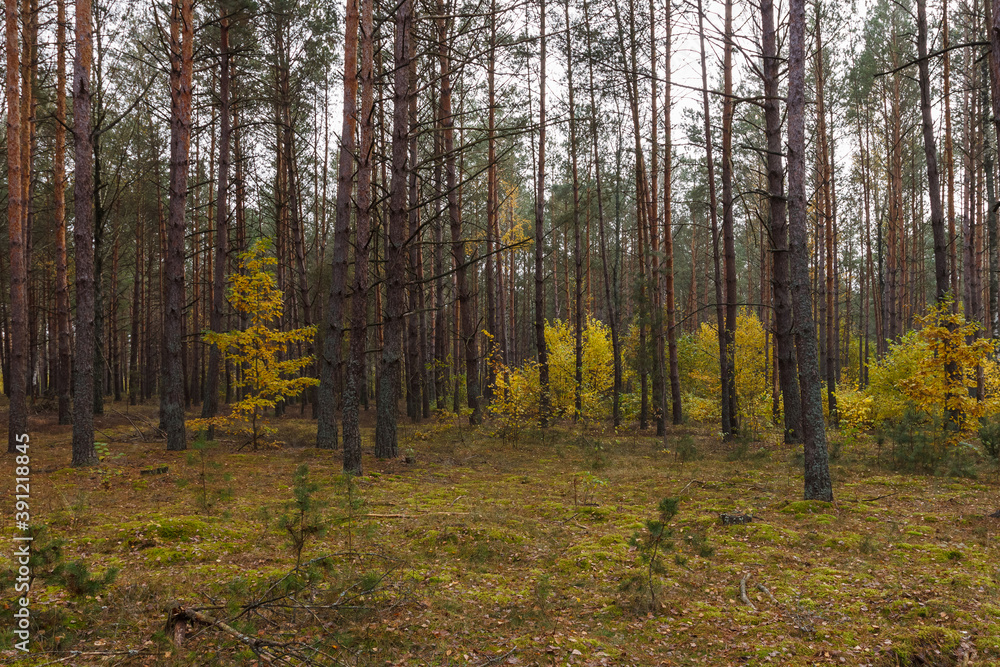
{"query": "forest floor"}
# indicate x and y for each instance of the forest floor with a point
(470, 551)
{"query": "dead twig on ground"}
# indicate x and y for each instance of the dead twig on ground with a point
(693, 481)
(496, 660)
(743, 591)
(763, 589)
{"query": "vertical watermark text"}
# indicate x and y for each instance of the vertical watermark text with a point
(22, 541)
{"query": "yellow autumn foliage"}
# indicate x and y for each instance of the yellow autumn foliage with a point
(699, 361)
(915, 374)
(265, 379)
(516, 390)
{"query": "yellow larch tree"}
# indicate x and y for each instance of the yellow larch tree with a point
(266, 380)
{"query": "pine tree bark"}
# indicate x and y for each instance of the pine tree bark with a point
(994, 67)
(577, 249)
(181, 70)
(778, 232)
(609, 286)
(727, 427)
(210, 407)
(355, 382)
(668, 238)
(386, 445)
(818, 485)
(59, 204)
(18, 411)
(728, 237)
(544, 401)
(941, 282)
(333, 335)
(83, 238)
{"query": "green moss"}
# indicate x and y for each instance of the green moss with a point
(806, 507)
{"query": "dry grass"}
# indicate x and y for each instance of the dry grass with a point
(525, 548)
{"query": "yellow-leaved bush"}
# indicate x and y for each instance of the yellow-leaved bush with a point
(516, 390)
(915, 373)
(254, 293)
(698, 355)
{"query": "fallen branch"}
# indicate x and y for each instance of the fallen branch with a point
(693, 481)
(137, 429)
(871, 500)
(496, 660)
(763, 588)
(743, 591)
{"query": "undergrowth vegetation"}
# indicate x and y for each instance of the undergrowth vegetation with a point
(572, 547)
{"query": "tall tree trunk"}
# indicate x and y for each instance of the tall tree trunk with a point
(18, 415)
(941, 281)
(668, 238)
(181, 69)
(83, 237)
(727, 426)
(577, 249)
(818, 485)
(211, 405)
(994, 65)
(492, 345)
(385, 429)
(544, 401)
(609, 286)
(59, 205)
(414, 372)
(135, 375)
(783, 324)
(356, 386)
(330, 361)
(728, 240)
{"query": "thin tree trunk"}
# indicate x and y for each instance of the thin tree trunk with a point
(59, 205)
(941, 281)
(729, 243)
(577, 249)
(609, 287)
(994, 65)
(544, 404)
(668, 239)
(211, 405)
(727, 426)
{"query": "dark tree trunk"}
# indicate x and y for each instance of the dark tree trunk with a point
(727, 426)
(668, 234)
(783, 333)
(211, 405)
(59, 205)
(941, 279)
(994, 65)
(17, 425)
(83, 239)
(544, 401)
(818, 485)
(609, 287)
(728, 240)
(355, 387)
(389, 383)
(181, 66)
(333, 336)
(577, 249)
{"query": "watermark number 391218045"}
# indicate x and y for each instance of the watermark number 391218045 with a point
(22, 541)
